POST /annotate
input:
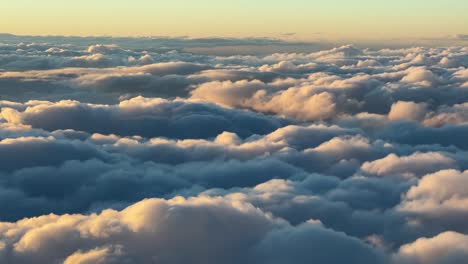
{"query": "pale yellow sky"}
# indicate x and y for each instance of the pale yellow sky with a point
(307, 19)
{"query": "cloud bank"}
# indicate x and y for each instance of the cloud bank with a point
(118, 151)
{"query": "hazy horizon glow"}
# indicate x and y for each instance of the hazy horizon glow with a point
(296, 19)
(253, 132)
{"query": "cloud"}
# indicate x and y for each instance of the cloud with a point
(288, 67)
(310, 242)
(155, 229)
(133, 150)
(29, 151)
(417, 164)
(293, 103)
(147, 117)
(407, 111)
(456, 114)
(167, 79)
(414, 134)
(98, 255)
(53, 238)
(445, 248)
(419, 75)
(441, 208)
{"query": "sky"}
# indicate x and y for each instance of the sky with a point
(216, 141)
(294, 19)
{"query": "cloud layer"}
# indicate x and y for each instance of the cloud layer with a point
(127, 153)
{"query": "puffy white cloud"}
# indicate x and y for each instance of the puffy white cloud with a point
(368, 63)
(102, 48)
(289, 67)
(208, 230)
(457, 115)
(427, 197)
(439, 201)
(414, 165)
(445, 248)
(99, 255)
(407, 110)
(301, 104)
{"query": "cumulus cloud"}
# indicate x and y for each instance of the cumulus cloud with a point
(208, 230)
(407, 111)
(445, 248)
(427, 198)
(144, 117)
(294, 103)
(417, 164)
(438, 200)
